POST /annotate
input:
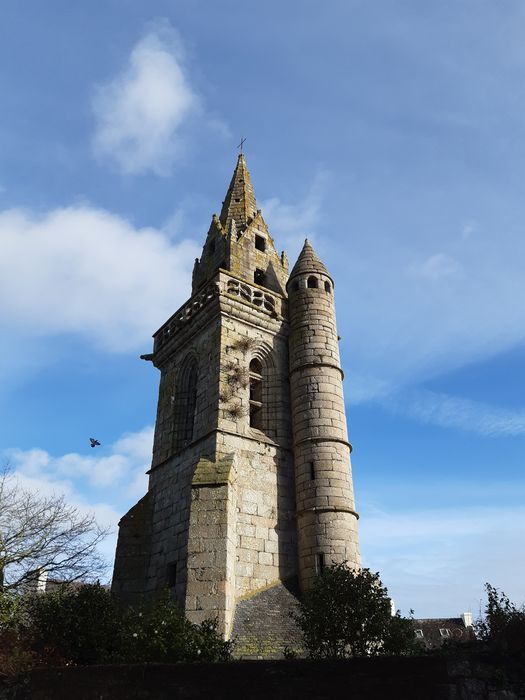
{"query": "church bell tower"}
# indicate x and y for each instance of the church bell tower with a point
(250, 486)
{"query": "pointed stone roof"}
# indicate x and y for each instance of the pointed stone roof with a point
(239, 203)
(308, 261)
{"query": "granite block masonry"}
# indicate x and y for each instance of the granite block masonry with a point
(250, 485)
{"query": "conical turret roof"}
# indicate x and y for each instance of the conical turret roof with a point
(239, 203)
(308, 261)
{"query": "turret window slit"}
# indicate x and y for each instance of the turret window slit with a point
(171, 574)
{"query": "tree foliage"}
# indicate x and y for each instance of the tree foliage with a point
(78, 625)
(503, 625)
(85, 625)
(43, 533)
(162, 633)
(347, 612)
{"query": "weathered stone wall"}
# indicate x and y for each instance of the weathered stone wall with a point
(265, 510)
(210, 588)
(170, 489)
(223, 535)
(133, 552)
(192, 335)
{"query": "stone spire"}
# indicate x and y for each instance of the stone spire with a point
(308, 261)
(239, 204)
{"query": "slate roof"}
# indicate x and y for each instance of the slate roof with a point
(434, 632)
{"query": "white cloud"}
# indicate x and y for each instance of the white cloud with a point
(437, 267)
(404, 322)
(139, 113)
(469, 227)
(106, 482)
(436, 560)
(136, 446)
(289, 223)
(464, 305)
(115, 465)
(454, 412)
(85, 271)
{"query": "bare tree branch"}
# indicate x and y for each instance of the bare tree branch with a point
(44, 533)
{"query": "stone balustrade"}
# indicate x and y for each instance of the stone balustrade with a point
(183, 315)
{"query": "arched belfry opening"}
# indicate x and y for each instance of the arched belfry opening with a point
(185, 403)
(264, 390)
(312, 282)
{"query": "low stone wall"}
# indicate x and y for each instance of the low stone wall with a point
(416, 678)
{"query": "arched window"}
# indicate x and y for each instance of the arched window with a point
(256, 405)
(327, 287)
(312, 282)
(185, 404)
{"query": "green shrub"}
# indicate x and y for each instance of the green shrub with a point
(15, 656)
(85, 625)
(164, 634)
(79, 625)
(347, 612)
(503, 626)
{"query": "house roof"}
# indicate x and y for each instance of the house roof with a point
(433, 632)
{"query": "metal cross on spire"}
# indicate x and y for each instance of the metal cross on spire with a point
(241, 143)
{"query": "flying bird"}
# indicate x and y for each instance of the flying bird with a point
(94, 442)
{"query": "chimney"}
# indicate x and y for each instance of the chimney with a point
(37, 583)
(467, 619)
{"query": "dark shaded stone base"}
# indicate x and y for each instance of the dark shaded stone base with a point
(263, 626)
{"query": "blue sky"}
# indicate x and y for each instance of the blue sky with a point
(391, 134)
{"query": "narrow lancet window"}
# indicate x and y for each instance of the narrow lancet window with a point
(319, 563)
(256, 404)
(185, 405)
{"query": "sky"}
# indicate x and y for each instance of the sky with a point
(391, 134)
